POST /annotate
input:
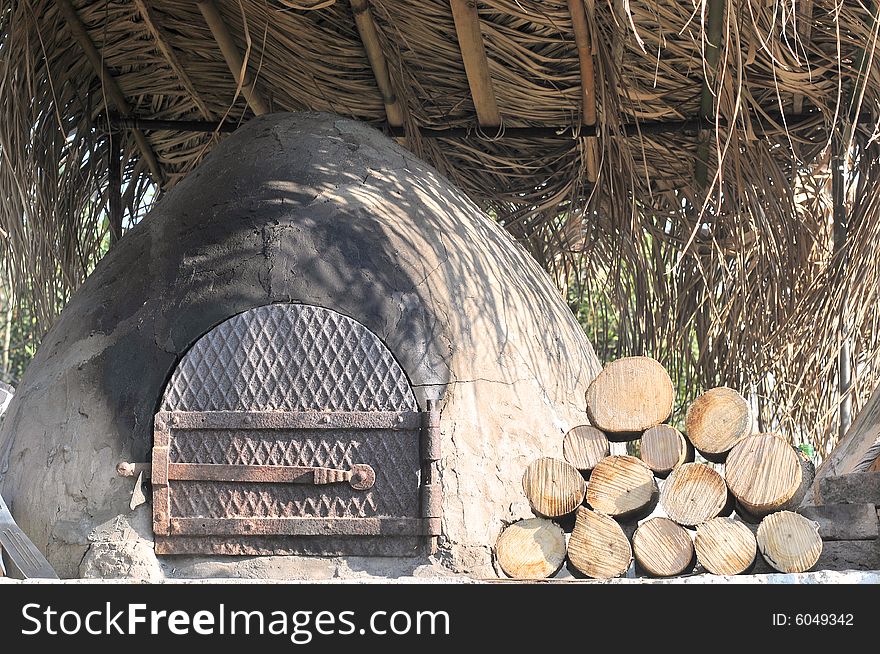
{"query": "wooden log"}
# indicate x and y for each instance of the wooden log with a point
(553, 487)
(789, 542)
(598, 547)
(664, 448)
(764, 473)
(854, 488)
(630, 395)
(725, 546)
(584, 446)
(844, 521)
(662, 548)
(694, 493)
(622, 486)
(717, 420)
(531, 549)
(838, 556)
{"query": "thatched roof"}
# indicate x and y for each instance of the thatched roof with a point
(728, 272)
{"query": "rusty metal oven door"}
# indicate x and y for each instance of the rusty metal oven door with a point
(291, 429)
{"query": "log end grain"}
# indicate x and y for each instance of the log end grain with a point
(553, 487)
(763, 472)
(630, 395)
(621, 485)
(725, 546)
(662, 548)
(584, 446)
(694, 493)
(789, 542)
(531, 549)
(717, 420)
(598, 547)
(664, 448)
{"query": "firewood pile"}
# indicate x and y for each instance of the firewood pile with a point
(718, 499)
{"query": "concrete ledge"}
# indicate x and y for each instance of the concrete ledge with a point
(820, 577)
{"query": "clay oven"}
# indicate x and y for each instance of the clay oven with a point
(332, 361)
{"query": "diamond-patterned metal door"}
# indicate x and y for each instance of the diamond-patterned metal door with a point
(291, 429)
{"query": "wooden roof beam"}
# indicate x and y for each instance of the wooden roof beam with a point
(363, 19)
(714, 22)
(233, 58)
(152, 23)
(111, 86)
(476, 66)
(805, 29)
(583, 40)
(585, 58)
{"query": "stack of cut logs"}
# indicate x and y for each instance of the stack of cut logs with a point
(615, 510)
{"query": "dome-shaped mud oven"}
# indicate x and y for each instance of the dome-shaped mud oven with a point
(317, 357)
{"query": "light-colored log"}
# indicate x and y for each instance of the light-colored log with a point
(664, 448)
(725, 546)
(553, 487)
(630, 395)
(111, 86)
(694, 493)
(621, 486)
(662, 548)
(584, 447)
(763, 472)
(476, 65)
(598, 547)
(789, 542)
(717, 420)
(531, 549)
(363, 19)
(233, 57)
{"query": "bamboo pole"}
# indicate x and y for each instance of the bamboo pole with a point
(714, 22)
(476, 65)
(111, 86)
(584, 44)
(366, 27)
(151, 21)
(114, 184)
(805, 29)
(233, 58)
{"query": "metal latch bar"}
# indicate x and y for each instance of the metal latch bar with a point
(361, 476)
